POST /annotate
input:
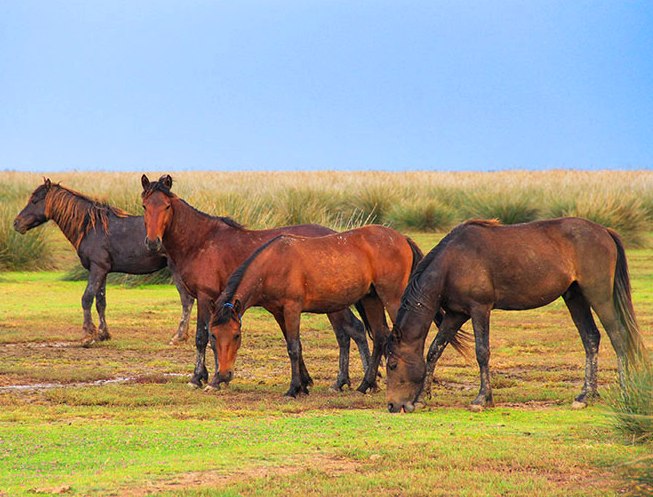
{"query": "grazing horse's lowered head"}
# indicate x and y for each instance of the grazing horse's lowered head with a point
(407, 370)
(33, 214)
(225, 327)
(157, 210)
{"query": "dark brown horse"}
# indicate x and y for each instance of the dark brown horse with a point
(368, 267)
(481, 266)
(106, 239)
(208, 249)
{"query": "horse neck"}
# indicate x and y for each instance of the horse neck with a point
(189, 230)
(417, 312)
(63, 217)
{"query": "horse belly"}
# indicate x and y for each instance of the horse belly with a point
(530, 291)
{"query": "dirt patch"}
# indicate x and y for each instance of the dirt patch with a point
(330, 465)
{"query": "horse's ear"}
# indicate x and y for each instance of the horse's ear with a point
(145, 182)
(47, 182)
(167, 181)
(238, 307)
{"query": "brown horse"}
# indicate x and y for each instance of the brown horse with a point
(106, 239)
(368, 267)
(207, 249)
(482, 265)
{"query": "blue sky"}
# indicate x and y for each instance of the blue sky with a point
(284, 85)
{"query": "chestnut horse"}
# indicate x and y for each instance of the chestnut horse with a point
(106, 239)
(481, 265)
(368, 267)
(207, 249)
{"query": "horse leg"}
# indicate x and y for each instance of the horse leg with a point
(200, 373)
(481, 324)
(95, 278)
(376, 318)
(449, 326)
(214, 384)
(608, 316)
(346, 326)
(186, 309)
(300, 379)
(100, 306)
(581, 314)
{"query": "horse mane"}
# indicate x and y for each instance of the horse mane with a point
(487, 223)
(76, 214)
(159, 186)
(224, 313)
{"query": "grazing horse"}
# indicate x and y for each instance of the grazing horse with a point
(207, 249)
(481, 265)
(106, 239)
(368, 267)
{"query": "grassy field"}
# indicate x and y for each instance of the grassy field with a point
(145, 432)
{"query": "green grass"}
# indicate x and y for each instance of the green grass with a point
(154, 435)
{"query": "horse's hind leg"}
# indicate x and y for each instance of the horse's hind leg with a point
(346, 327)
(375, 313)
(581, 314)
(481, 324)
(101, 306)
(186, 309)
(450, 325)
(96, 278)
(200, 373)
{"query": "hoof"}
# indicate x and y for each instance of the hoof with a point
(339, 386)
(103, 336)
(177, 340)
(194, 385)
(578, 405)
(211, 388)
(476, 407)
(87, 341)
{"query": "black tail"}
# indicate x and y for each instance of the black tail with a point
(361, 310)
(418, 255)
(462, 341)
(623, 304)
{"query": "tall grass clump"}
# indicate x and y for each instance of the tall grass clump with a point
(425, 215)
(632, 415)
(632, 405)
(18, 252)
(509, 207)
(622, 212)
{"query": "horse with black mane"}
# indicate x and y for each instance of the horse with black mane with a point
(481, 265)
(106, 239)
(207, 249)
(368, 267)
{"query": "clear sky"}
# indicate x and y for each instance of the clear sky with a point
(393, 85)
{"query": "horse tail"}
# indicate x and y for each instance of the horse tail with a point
(461, 341)
(623, 304)
(361, 310)
(418, 255)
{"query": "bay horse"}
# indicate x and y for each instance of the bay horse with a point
(207, 249)
(368, 267)
(106, 239)
(482, 265)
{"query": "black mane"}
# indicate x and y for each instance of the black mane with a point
(224, 314)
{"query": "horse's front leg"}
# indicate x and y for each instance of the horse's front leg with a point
(481, 324)
(201, 374)
(376, 318)
(96, 278)
(299, 377)
(101, 306)
(448, 328)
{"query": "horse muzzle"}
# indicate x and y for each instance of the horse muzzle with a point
(401, 407)
(153, 245)
(226, 377)
(19, 226)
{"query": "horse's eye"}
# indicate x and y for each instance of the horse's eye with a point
(236, 336)
(392, 365)
(167, 206)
